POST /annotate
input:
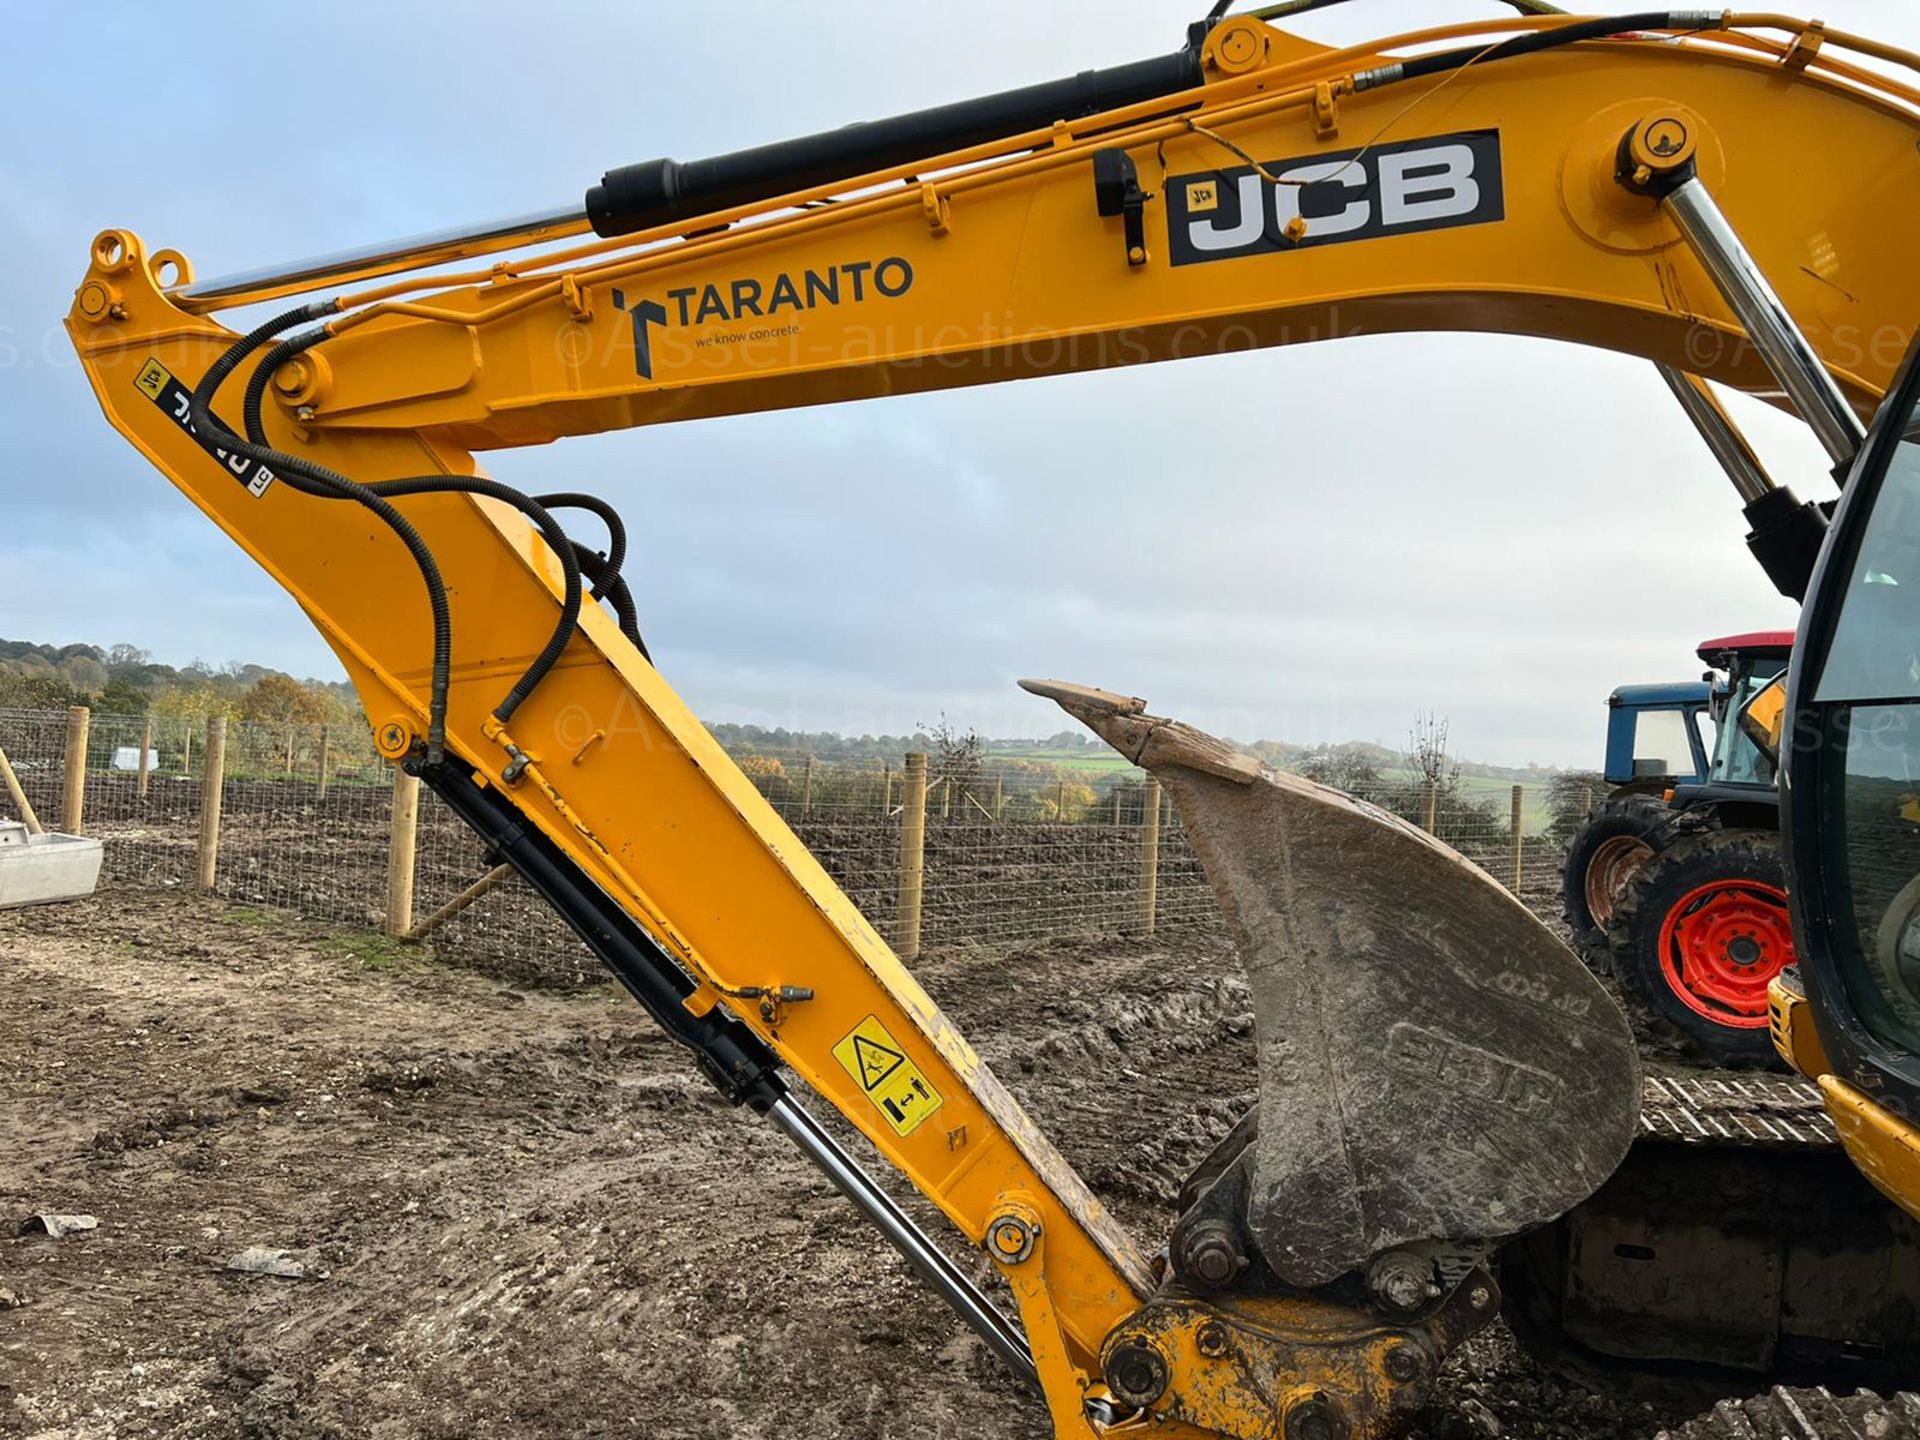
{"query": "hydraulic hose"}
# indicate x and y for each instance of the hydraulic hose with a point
(533, 509)
(611, 587)
(1533, 41)
(557, 538)
(307, 478)
(315, 480)
(610, 517)
(603, 571)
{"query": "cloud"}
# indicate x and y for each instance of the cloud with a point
(1307, 543)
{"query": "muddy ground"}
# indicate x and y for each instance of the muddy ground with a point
(521, 1213)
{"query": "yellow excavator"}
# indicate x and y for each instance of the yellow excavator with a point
(1450, 1120)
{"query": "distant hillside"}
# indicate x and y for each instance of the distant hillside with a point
(127, 680)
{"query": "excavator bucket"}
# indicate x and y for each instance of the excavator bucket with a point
(1434, 1064)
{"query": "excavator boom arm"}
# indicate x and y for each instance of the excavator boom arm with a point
(1296, 194)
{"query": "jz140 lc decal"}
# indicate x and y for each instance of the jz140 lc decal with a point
(156, 382)
(1397, 188)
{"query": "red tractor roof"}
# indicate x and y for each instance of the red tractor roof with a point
(1777, 643)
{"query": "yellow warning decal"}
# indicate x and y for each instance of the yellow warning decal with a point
(152, 379)
(893, 1082)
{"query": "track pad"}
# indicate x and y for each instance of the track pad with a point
(1433, 1063)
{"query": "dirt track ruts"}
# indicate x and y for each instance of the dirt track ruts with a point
(534, 1219)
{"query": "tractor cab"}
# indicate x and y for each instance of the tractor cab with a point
(1654, 737)
(1739, 773)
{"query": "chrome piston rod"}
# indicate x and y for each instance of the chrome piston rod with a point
(415, 251)
(1003, 1337)
(1779, 340)
(1723, 437)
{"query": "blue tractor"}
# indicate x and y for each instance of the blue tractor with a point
(1674, 882)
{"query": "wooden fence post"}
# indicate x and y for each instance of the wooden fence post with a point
(913, 859)
(806, 790)
(19, 797)
(886, 787)
(946, 797)
(293, 735)
(73, 793)
(1519, 845)
(1430, 809)
(214, 764)
(186, 748)
(1060, 800)
(999, 798)
(146, 748)
(1586, 800)
(1149, 855)
(400, 851)
(326, 758)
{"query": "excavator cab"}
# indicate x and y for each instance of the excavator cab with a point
(1852, 809)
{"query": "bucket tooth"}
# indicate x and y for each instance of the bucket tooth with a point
(1434, 1064)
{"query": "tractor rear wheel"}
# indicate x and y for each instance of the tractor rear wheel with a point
(1698, 934)
(1612, 843)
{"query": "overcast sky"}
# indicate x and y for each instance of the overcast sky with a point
(1497, 530)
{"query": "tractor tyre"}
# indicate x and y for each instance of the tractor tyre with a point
(1612, 843)
(1698, 934)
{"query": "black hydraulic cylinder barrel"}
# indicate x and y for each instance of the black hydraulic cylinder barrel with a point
(656, 191)
(1786, 538)
(733, 1057)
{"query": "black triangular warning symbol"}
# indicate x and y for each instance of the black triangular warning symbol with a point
(877, 1062)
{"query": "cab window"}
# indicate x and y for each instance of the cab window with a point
(1869, 730)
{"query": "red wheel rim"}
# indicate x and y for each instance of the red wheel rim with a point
(1721, 945)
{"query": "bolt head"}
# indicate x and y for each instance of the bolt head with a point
(1211, 1339)
(1211, 1254)
(1401, 1282)
(1403, 1364)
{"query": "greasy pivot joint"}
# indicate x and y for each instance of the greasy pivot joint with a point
(1136, 1371)
(1656, 156)
(1313, 1417)
(1011, 1237)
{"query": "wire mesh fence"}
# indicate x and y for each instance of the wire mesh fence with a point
(1012, 851)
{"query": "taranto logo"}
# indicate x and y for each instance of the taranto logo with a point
(757, 299)
(1399, 188)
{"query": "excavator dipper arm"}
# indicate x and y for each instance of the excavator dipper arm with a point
(1509, 175)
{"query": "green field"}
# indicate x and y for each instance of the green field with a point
(1098, 762)
(1535, 813)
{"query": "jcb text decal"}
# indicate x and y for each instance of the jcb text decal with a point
(1397, 188)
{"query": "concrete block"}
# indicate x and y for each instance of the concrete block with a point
(39, 869)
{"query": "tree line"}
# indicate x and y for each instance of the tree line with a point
(126, 680)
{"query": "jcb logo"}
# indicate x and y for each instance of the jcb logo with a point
(1400, 188)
